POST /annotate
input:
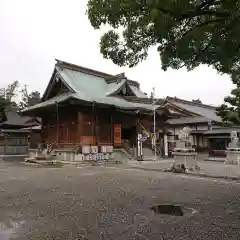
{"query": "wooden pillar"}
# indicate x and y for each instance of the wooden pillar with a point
(96, 128)
(57, 124)
(79, 127)
(93, 120)
(111, 130)
(67, 131)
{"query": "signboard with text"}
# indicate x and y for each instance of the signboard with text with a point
(117, 135)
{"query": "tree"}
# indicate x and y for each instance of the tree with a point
(29, 99)
(3, 102)
(11, 90)
(7, 94)
(230, 110)
(152, 95)
(186, 33)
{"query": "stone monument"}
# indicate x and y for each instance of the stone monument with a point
(233, 150)
(185, 157)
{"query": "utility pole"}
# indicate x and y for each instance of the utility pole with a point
(154, 124)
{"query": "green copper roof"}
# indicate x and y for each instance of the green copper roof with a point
(93, 88)
(114, 87)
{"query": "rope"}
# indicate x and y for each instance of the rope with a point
(150, 134)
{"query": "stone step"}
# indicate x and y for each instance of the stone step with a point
(43, 162)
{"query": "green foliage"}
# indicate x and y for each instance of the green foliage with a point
(12, 90)
(230, 111)
(29, 99)
(4, 102)
(7, 95)
(152, 96)
(187, 33)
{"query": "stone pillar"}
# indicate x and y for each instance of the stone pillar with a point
(139, 147)
(165, 140)
(138, 144)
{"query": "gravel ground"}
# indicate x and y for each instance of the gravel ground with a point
(208, 168)
(113, 203)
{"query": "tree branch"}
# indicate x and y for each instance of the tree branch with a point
(201, 25)
(197, 55)
(193, 13)
(207, 4)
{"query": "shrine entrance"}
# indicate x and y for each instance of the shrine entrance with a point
(129, 135)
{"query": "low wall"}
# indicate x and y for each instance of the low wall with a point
(13, 150)
(233, 157)
(13, 157)
(1, 150)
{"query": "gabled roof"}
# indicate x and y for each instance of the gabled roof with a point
(137, 91)
(3, 116)
(179, 111)
(116, 87)
(91, 86)
(187, 120)
(201, 110)
(14, 119)
(223, 130)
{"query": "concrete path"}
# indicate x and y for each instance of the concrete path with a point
(208, 169)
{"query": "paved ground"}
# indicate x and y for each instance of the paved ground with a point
(208, 168)
(113, 203)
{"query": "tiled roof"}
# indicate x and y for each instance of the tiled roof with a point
(91, 86)
(108, 77)
(188, 120)
(114, 87)
(15, 119)
(207, 111)
(223, 130)
(137, 92)
(39, 127)
(14, 131)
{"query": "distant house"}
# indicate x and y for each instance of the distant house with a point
(14, 137)
(10, 118)
(199, 117)
(208, 131)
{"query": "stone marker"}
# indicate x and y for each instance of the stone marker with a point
(233, 150)
(185, 157)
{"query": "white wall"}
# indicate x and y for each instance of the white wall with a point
(203, 142)
(202, 127)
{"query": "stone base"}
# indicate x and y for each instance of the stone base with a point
(233, 157)
(185, 160)
(86, 153)
(13, 157)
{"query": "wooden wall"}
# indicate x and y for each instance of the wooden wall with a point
(82, 125)
(65, 132)
(78, 126)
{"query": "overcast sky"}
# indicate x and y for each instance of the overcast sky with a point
(33, 33)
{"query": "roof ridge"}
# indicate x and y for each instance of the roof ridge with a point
(195, 117)
(93, 72)
(190, 102)
(72, 66)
